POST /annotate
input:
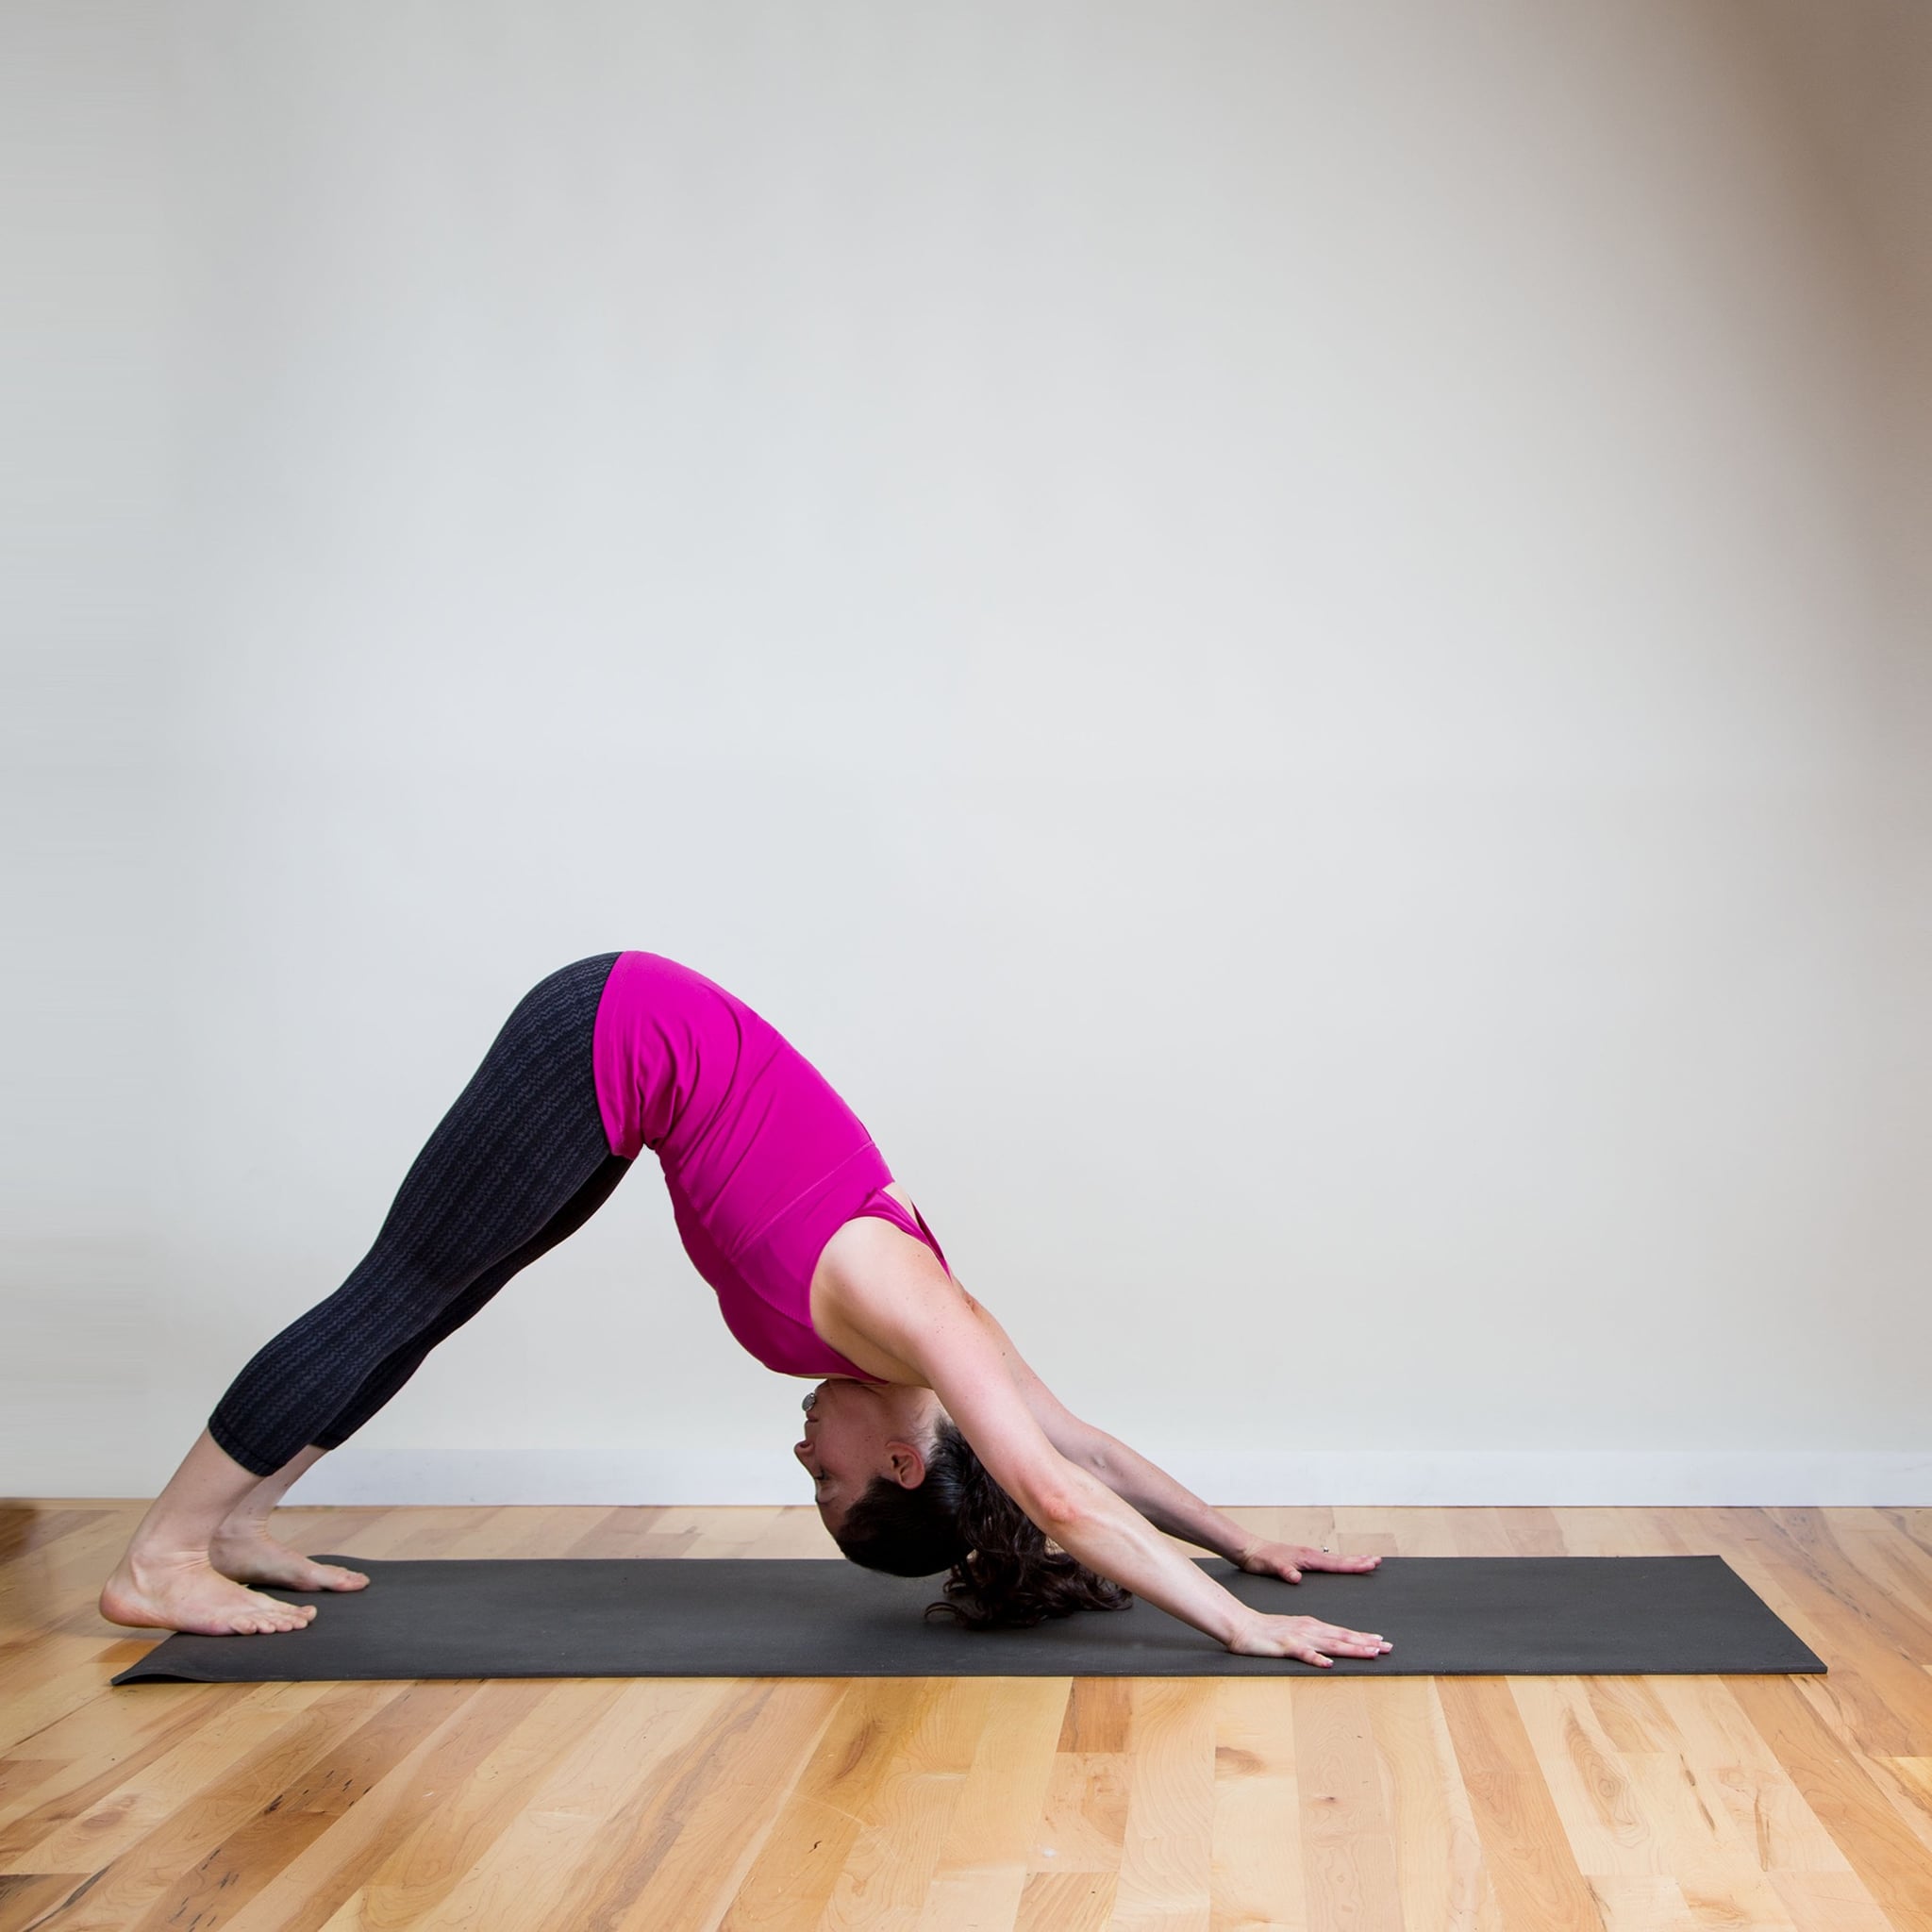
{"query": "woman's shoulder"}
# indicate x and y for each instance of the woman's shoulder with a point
(875, 1287)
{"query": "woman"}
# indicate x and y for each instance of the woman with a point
(929, 1440)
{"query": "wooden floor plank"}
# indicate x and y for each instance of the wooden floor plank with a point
(889, 1869)
(1066, 1902)
(796, 1872)
(1714, 1865)
(123, 1804)
(1877, 1686)
(1167, 1851)
(988, 1898)
(448, 1803)
(1255, 1875)
(104, 1740)
(31, 1899)
(997, 1825)
(1083, 1823)
(1610, 1533)
(63, 1675)
(1876, 1843)
(1893, 1563)
(1349, 1870)
(722, 1799)
(560, 1849)
(1808, 1541)
(1441, 1872)
(315, 1750)
(24, 1527)
(1649, 1902)
(1539, 1887)
(412, 1761)
(1737, 1769)
(1914, 1778)
(1589, 1776)
(615, 1532)
(1831, 1902)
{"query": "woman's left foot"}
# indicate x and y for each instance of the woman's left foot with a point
(252, 1555)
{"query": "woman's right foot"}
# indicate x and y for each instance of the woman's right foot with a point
(190, 1593)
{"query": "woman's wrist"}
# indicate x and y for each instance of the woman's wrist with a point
(1112, 1538)
(1238, 1618)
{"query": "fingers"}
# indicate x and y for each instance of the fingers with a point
(1309, 1640)
(1320, 1637)
(1301, 1557)
(1306, 1639)
(1352, 1642)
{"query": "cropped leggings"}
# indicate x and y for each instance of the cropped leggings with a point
(520, 1162)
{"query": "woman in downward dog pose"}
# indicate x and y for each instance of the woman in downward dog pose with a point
(930, 1443)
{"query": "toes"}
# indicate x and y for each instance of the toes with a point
(274, 1615)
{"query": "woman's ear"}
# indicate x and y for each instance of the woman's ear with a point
(908, 1465)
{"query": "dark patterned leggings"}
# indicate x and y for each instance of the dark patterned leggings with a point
(519, 1163)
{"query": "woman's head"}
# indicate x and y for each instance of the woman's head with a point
(906, 1493)
(859, 1432)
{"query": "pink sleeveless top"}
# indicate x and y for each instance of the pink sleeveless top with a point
(762, 1161)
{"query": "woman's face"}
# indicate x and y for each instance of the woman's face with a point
(854, 1431)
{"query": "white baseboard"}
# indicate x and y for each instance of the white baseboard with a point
(1452, 1479)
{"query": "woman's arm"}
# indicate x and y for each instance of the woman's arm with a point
(920, 1316)
(1103, 1531)
(1151, 1490)
(1163, 1501)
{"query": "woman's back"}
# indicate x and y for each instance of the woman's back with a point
(762, 1159)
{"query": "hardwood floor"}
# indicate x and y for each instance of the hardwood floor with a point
(1504, 1803)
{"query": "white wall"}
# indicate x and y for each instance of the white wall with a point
(1290, 641)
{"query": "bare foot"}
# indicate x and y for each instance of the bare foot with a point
(187, 1594)
(253, 1556)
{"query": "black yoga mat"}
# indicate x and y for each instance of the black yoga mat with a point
(812, 1617)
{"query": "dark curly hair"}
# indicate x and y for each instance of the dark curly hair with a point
(1004, 1574)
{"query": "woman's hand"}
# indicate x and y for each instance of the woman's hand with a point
(1304, 1637)
(1288, 1560)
